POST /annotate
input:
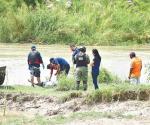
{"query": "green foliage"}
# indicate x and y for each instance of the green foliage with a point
(65, 83)
(118, 92)
(148, 71)
(96, 22)
(33, 3)
(70, 96)
(107, 77)
(21, 119)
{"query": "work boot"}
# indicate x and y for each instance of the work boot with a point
(77, 85)
(84, 85)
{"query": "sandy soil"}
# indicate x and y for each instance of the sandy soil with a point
(106, 121)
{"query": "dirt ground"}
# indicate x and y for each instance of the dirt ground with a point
(138, 111)
(106, 121)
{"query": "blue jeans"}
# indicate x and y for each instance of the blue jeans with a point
(66, 69)
(94, 77)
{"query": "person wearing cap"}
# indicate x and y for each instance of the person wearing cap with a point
(135, 69)
(75, 51)
(82, 61)
(58, 64)
(34, 60)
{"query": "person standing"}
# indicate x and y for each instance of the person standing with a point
(34, 61)
(82, 61)
(75, 51)
(95, 67)
(135, 69)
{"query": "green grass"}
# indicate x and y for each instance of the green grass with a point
(118, 92)
(60, 119)
(108, 77)
(96, 22)
(66, 83)
(106, 93)
(37, 90)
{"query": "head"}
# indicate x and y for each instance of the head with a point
(82, 49)
(95, 53)
(49, 66)
(51, 60)
(33, 48)
(132, 55)
(72, 47)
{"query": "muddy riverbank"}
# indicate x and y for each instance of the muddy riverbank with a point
(120, 113)
(51, 105)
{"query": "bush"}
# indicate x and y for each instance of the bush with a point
(107, 77)
(65, 83)
(96, 22)
(118, 92)
(70, 96)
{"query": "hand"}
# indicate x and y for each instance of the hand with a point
(92, 64)
(129, 77)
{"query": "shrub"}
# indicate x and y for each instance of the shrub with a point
(70, 96)
(118, 92)
(65, 83)
(107, 77)
(98, 22)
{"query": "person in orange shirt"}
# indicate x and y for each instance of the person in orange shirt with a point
(135, 69)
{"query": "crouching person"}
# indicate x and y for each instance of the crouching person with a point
(60, 65)
(82, 61)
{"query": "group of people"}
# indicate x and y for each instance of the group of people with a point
(80, 62)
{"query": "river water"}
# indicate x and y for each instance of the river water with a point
(115, 59)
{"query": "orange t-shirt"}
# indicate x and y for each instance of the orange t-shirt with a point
(136, 65)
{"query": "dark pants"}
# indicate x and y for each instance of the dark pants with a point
(66, 69)
(94, 77)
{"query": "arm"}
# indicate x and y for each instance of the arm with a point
(51, 73)
(130, 73)
(28, 61)
(75, 52)
(141, 65)
(28, 58)
(57, 69)
(88, 59)
(41, 60)
(73, 60)
(93, 62)
(131, 69)
(49, 66)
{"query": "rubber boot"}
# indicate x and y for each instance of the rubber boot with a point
(84, 85)
(77, 85)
